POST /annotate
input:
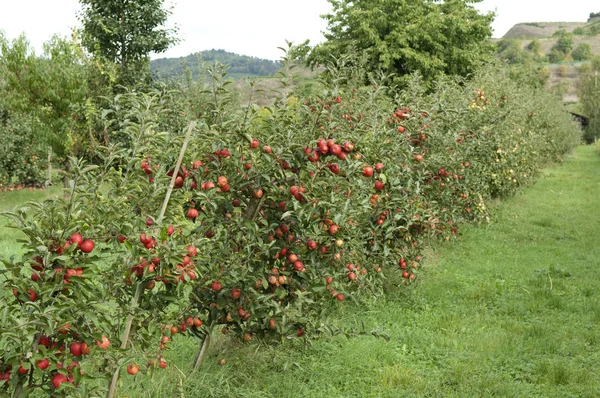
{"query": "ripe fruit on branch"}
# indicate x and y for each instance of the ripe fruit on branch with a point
(192, 214)
(76, 239)
(334, 167)
(87, 246)
(43, 364)
(75, 349)
(379, 185)
(298, 266)
(133, 369)
(104, 344)
(379, 166)
(254, 144)
(368, 171)
(216, 286)
(222, 181)
(333, 229)
(58, 379)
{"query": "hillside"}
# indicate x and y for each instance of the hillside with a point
(240, 65)
(560, 46)
(532, 30)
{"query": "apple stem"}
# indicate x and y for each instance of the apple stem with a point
(135, 302)
(202, 353)
(188, 136)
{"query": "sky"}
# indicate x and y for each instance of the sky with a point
(255, 27)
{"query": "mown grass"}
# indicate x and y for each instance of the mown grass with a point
(8, 200)
(509, 310)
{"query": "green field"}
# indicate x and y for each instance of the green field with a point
(510, 310)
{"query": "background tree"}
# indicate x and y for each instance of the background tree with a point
(44, 97)
(535, 47)
(405, 36)
(512, 51)
(125, 32)
(562, 47)
(589, 95)
(582, 52)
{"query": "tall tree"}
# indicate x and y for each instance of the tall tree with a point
(126, 32)
(404, 36)
(589, 96)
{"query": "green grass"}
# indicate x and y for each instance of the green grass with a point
(511, 309)
(8, 200)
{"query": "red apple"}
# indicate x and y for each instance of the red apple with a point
(192, 214)
(58, 379)
(43, 364)
(87, 246)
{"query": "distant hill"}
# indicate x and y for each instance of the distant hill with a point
(558, 46)
(533, 30)
(239, 65)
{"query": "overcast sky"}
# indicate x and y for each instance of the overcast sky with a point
(256, 27)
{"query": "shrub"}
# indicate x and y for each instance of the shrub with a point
(583, 52)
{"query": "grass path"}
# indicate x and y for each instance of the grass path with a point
(510, 310)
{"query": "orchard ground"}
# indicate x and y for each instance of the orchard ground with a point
(511, 310)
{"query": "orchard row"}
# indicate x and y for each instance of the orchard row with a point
(256, 223)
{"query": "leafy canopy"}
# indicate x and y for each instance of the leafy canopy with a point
(126, 32)
(405, 36)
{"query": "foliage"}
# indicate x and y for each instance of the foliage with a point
(535, 47)
(556, 56)
(20, 162)
(583, 52)
(564, 44)
(589, 94)
(273, 216)
(511, 50)
(402, 37)
(239, 65)
(48, 100)
(125, 33)
(520, 272)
